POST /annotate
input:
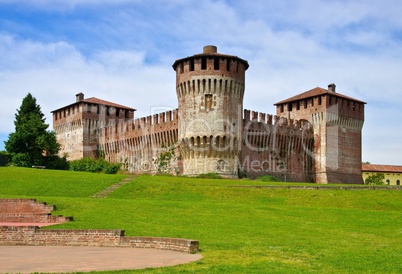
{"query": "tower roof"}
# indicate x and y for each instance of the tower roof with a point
(94, 100)
(210, 51)
(315, 92)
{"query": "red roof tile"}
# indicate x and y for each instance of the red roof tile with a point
(98, 101)
(315, 92)
(94, 100)
(381, 168)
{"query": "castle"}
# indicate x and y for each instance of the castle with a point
(315, 136)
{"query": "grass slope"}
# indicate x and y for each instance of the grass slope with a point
(240, 229)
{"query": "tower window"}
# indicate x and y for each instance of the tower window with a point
(228, 64)
(203, 63)
(181, 67)
(191, 64)
(208, 101)
(216, 64)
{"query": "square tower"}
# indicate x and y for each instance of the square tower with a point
(337, 122)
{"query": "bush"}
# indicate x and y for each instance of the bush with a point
(268, 178)
(375, 179)
(5, 158)
(92, 165)
(56, 162)
(21, 160)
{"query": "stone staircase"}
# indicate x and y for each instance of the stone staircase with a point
(28, 211)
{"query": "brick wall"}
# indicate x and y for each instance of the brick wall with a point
(28, 211)
(34, 236)
(32, 218)
(24, 206)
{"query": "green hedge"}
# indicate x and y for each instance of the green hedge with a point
(92, 165)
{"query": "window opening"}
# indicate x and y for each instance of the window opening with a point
(228, 64)
(208, 101)
(203, 63)
(191, 64)
(216, 64)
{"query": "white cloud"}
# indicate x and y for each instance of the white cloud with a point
(125, 54)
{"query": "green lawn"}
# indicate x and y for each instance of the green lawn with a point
(240, 229)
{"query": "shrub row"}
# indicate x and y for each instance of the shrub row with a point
(91, 165)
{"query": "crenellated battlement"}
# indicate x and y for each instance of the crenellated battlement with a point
(261, 118)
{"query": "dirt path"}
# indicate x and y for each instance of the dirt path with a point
(105, 192)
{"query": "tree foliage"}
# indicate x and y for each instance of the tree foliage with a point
(375, 179)
(31, 143)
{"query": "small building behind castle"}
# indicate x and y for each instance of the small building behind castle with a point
(315, 136)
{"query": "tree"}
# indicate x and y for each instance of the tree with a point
(31, 143)
(375, 179)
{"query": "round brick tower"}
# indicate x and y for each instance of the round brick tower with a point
(210, 89)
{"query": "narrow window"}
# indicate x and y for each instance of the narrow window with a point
(191, 64)
(398, 182)
(208, 101)
(203, 63)
(305, 103)
(290, 106)
(216, 63)
(108, 111)
(181, 67)
(98, 109)
(297, 105)
(117, 112)
(228, 64)
(319, 100)
(89, 108)
(281, 107)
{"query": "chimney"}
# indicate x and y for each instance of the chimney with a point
(79, 97)
(331, 87)
(210, 49)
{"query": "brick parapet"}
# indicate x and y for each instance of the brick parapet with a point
(34, 236)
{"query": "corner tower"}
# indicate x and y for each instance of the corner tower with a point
(337, 123)
(210, 90)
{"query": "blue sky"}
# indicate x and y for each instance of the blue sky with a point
(122, 51)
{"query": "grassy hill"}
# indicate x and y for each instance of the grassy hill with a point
(241, 229)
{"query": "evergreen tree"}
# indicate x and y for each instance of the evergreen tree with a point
(31, 143)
